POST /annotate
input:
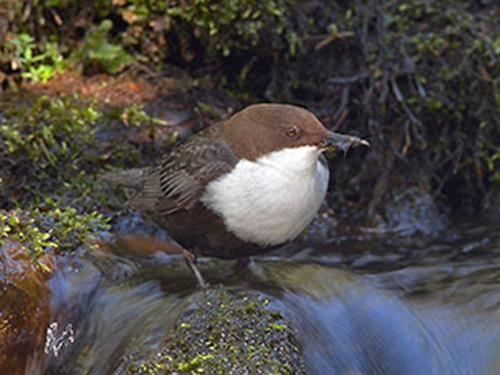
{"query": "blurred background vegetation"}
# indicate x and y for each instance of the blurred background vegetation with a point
(418, 78)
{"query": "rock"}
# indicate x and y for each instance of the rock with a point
(224, 332)
(410, 212)
(24, 310)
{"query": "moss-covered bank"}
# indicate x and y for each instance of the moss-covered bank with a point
(53, 150)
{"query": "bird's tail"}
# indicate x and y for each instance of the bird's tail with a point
(131, 178)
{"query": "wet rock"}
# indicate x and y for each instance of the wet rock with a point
(225, 332)
(24, 310)
(408, 213)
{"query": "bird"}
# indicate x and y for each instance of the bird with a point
(241, 187)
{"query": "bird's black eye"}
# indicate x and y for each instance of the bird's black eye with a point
(292, 131)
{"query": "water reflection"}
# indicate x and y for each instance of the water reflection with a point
(358, 307)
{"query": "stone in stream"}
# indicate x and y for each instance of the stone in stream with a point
(224, 332)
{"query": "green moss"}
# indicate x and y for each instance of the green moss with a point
(220, 27)
(51, 199)
(278, 327)
(45, 143)
(52, 230)
(493, 163)
(35, 62)
(49, 132)
(235, 24)
(197, 362)
(99, 50)
(52, 151)
(134, 116)
(236, 333)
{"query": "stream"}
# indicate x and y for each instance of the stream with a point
(365, 306)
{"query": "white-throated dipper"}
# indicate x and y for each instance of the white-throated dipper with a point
(243, 186)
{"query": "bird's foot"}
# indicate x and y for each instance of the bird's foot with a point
(191, 262)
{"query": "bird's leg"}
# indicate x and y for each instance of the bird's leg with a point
(242, 264)
(191, 262)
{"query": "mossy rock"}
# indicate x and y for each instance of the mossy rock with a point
(54, 149)
(52, 230)
(226, 332)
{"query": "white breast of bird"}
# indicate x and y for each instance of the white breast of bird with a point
(271, 200)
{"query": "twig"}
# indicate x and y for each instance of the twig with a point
(400, 98)
(333, 38)
(344, 101)
(347, 80)
(407, 143)
(340, 120)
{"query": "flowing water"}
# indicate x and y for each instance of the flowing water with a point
(372, 306)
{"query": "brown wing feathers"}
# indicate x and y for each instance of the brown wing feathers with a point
(179, 190)
(178, 182)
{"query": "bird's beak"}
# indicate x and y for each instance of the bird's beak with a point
(344, 142)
